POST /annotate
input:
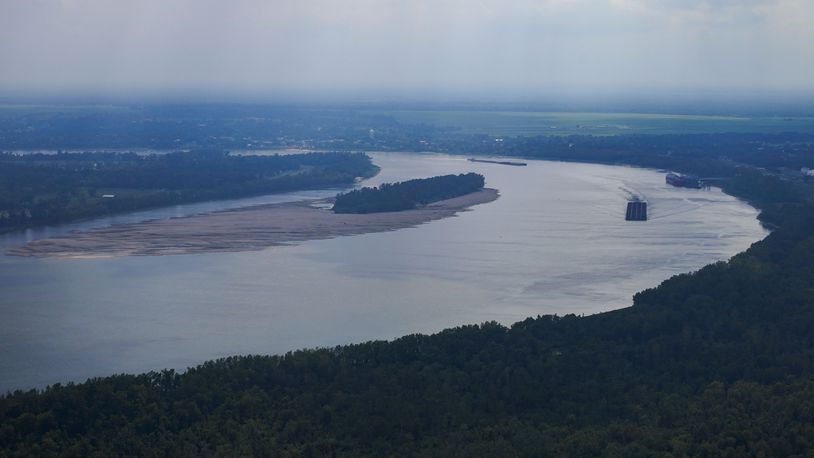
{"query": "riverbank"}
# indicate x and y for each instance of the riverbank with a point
(244, 229)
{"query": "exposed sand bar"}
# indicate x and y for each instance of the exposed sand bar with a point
(242, 229)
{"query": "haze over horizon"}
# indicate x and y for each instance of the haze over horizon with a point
(452, 46)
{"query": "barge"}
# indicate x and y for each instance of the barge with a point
(636, 211)
(488, 161)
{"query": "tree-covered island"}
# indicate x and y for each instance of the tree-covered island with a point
(407, 195)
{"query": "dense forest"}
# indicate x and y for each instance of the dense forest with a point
(407, 195)
(38, 189)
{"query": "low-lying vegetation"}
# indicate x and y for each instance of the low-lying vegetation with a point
(40, 189)
(407, 195)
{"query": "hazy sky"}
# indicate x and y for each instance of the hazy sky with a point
(274, 45)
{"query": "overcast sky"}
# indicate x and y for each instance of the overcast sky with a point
(534, 45)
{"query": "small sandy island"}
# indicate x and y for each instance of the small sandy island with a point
(243, 229)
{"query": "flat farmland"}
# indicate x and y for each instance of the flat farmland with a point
(530, 123)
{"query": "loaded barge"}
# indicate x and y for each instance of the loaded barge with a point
(487, 161)
(636, 211)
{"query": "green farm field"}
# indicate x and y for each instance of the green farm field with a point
(515, 123)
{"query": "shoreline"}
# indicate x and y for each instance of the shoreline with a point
(251, 228)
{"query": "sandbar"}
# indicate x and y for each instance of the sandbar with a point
(242, 229)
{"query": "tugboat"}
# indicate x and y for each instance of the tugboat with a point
(683, 181)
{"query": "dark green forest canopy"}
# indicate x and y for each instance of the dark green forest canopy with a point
(406, 195)
(37, 189)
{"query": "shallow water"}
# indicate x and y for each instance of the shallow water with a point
(555, 242)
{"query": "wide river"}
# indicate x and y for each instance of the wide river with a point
(555, 242)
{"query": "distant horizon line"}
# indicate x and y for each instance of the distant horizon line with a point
(673, 100)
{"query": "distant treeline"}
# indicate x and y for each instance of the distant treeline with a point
(40, 189)
(196, 126)
(249, 126)
(708, 155)
(407, 195)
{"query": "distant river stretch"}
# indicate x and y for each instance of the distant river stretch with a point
(555, 242)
